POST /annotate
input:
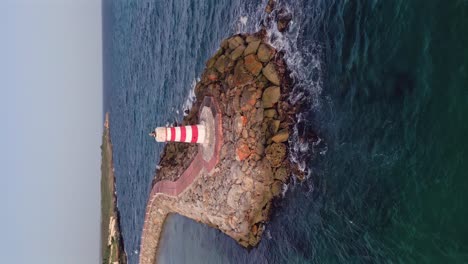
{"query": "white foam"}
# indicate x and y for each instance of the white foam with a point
(190, 97)
(303, 62)
(284, 190)
(243, 20)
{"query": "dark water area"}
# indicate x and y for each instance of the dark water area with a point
(386, 90)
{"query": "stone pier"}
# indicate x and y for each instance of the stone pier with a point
(229, 182)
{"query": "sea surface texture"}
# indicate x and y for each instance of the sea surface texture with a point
(386, 91)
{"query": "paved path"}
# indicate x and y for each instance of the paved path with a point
(154, 210)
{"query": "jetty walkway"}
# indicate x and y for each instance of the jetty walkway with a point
(205, 160)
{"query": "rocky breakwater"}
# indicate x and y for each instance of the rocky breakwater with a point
(246, 78)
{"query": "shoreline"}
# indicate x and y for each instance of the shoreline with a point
(112, 245)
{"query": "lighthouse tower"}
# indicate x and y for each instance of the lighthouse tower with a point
(207, 134)
(195, 134)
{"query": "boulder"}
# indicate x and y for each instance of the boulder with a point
(211, 62)
(209, 76)
(283, 20)
(273, 126)
(248, 100)
(239, 123)
(262, 81)
(252, 64)
(235, 42)
(271, 74)
(242, 151)
(276, 188)
(222, 63)
(241, 75)
(270, 6)
(281, 136)
(281, 174)
(270, 113)
(237, 52)
(275, 154)
(252, 48)
(251, 38)
(259, 149)
(225, 44)
(270, 97)
(265, 52)
(259, 115)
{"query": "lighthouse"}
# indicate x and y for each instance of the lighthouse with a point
(195, 134)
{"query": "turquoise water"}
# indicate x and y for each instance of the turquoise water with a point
(386, 86)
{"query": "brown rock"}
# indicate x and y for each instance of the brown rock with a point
(222, 63)
(244, 120)
(245, 166)
(252, 47)
(265, 172)
(236, 103)
(248, 100)
(251, 38)
(260, 149)
(252, 64)
(235, 42)
(276, 188)
(210, 63)
(259, 114)
(239, 124)
(245, 134)
(237, 52)
(281, 136)
(241, 75)
(256, 157)
(281, 174)
(209, 76)
(225, 44)
(242, 151)
(271, 74)
(270, 6)
(284, 17)
(270, 97)
(265, 52)
(230, 80)
(271, 113)
(254, 229)
(275, 154)
(262, 81)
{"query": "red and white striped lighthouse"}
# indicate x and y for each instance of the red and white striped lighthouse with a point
(187, 134)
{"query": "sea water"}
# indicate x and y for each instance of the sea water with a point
(385, 90)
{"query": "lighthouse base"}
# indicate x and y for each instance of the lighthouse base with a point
(207, 120)
(210, 117)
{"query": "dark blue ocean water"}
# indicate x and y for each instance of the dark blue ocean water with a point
(386, 86)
